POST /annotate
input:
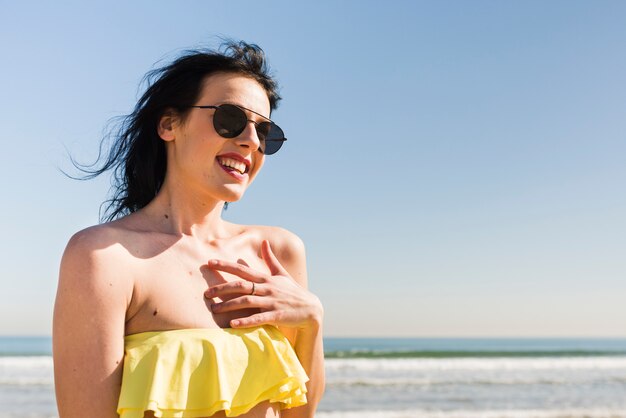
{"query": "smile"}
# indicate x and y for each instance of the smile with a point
(234, 164)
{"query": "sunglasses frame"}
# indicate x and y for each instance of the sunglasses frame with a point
(256, 124)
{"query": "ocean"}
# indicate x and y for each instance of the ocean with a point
(406, 378)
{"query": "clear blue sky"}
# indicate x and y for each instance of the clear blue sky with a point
(454, 168)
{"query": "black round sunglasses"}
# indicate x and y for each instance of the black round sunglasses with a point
(230, 121)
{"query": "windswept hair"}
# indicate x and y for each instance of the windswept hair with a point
(136, 154)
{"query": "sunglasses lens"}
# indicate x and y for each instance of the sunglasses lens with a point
(229, 121)
(263, 129)
(274, 138)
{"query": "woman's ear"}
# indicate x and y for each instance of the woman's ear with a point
(166, 125)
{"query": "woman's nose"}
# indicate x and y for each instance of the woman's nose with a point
(249, 137)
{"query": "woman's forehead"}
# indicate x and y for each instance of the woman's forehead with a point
(235, 89)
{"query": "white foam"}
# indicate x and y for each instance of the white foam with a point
(462, 380)
(25, 362)
(26, 371)
(420, 413)
(500, 364)
(27, 381)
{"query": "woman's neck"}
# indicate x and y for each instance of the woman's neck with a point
(180, 212)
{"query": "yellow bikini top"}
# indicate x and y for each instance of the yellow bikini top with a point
(197, 372)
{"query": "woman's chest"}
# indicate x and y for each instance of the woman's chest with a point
(168, 291)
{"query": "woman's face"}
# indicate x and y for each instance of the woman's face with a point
(199, 158)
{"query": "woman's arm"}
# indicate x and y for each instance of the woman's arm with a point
(308, 337)
(88, 328)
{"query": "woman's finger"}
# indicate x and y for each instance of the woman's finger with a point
(253, 320)
(242, 302)
(270, 259)
(237, 269)
(236, 287)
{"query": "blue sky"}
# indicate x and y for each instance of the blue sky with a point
(454, 168)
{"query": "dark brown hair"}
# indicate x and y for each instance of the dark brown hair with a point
(136, 154)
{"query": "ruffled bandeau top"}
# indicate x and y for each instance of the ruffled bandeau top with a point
(198, 372)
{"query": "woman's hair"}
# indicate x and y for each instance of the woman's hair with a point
(137, 154)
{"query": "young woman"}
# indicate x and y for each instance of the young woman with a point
(167, 310)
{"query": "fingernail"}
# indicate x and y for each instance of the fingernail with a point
(235, 322)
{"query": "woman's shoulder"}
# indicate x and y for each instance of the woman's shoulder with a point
(283, 241)
(95, 265)
(286, 246)
(98, 237)
(99, 245)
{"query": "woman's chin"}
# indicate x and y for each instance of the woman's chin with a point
(232, 194)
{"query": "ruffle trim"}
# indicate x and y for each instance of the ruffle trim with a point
(197, 372)
(289, 395)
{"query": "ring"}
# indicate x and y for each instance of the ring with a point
(252, 293)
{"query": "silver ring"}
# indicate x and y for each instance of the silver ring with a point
(252, 293)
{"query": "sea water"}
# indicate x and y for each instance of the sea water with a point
(407, 378)
(26, 378)
(475, 378)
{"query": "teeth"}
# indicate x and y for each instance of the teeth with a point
(237, 165)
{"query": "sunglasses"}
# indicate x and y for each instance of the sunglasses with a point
(230, 121)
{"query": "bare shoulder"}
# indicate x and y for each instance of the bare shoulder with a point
(95, 242)
(288, 248)
(284, 242)
(95, 254)
(92, 239)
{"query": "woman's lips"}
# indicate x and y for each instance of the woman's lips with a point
(236, 159)
(232, 172)
(233, 163)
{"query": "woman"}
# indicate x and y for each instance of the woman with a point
(167, 310)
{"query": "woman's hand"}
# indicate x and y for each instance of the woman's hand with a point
(281, 300)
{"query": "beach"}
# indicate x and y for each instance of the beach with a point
(407, 378)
